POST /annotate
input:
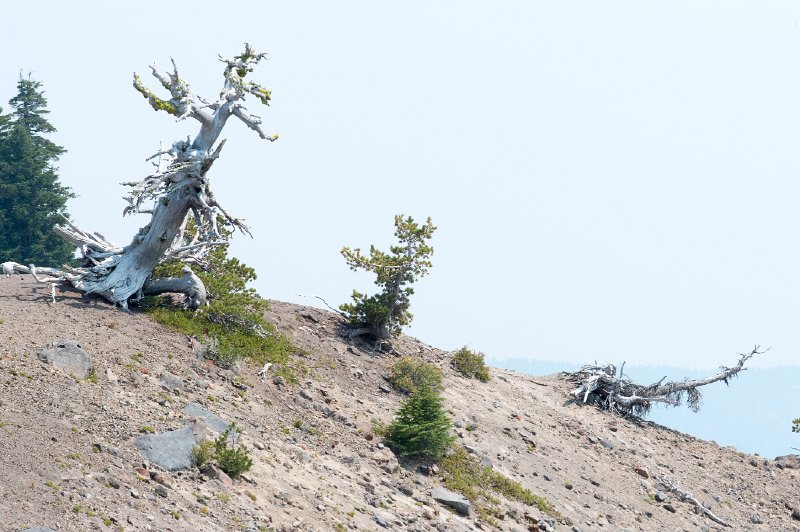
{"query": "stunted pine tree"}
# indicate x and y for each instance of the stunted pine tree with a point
(179, 188)
(382, 316)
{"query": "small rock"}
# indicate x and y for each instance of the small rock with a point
(547, 478)
(142, 472)
(135, 494)
(796, 514)
(305, 394)
(452, 499)
(607, 444)
(756, 519)
(486, 462)
(69, 357)
(568, 485)
(213, 420)
(381, 520)
(669, 508)
(259, 445)
(661, 496)
(171, 383)
(641, 471)
(161, 479)
(212, 471)
(592, 440)
(384, 388)
(309, 315)
(278, 380)
(169, 450)
(161, 491)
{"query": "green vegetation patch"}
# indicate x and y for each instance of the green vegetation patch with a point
(478, 484)
(232, 326)
(471, 364)
(409, 373)
(421, 428)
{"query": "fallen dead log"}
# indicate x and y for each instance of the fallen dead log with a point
(612, 390)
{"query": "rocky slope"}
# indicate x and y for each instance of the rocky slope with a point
(71, 461)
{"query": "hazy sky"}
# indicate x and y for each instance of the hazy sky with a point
(611, 180)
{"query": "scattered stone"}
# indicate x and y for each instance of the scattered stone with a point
(796, 514)
(592, 440)
(161, 479)
(259, 445)
(381, 520)
(547, 478)
(607, 444)
(161, 491)
(169, 450)
(756, 519)
(135, 494)
(67, 356)
(486, 462)
(568, 485)
(661, 496)
(171, 383)
(212, 471)
(213, 420)
(384, 388)
(453, 500)
(278, 381)
(39, 529)
(142, 472)
(669, 508)
(309, 315)
(641, 471)
(305, 394)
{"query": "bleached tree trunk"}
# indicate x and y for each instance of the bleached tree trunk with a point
(619, 394)
(179, 188)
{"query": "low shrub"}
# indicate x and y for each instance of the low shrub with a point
(223, 451)
(409, 373)
(471, 364)
(477, 483)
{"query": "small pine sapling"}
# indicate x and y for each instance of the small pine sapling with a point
(383, 315)
(421, 428)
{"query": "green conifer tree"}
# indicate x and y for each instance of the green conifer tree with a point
(32, 200)
(383, 315)
(421, 428)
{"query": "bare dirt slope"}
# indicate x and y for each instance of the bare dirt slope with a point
(69, 460)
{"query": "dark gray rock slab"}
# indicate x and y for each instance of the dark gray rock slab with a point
(452, 499)
(169, 450)
(213, 420)
(67, 356)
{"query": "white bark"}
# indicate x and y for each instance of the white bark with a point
(675, 488)
(178, 188)
(619, 394)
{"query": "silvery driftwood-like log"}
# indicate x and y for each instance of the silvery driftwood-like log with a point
(178, 189)
(611, 390)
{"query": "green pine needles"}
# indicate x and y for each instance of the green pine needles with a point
(32, 198)
(383, 315)
(421, 428)
(232, 326)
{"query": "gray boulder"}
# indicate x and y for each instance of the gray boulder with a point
(213, 420)
(453, 500)
(169, 450)
(67, 356)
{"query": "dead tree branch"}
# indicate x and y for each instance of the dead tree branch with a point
(675, 488)
(179, 187)
(617, 393)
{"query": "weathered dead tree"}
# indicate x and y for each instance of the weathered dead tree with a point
(178, 189)
(612, 391)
